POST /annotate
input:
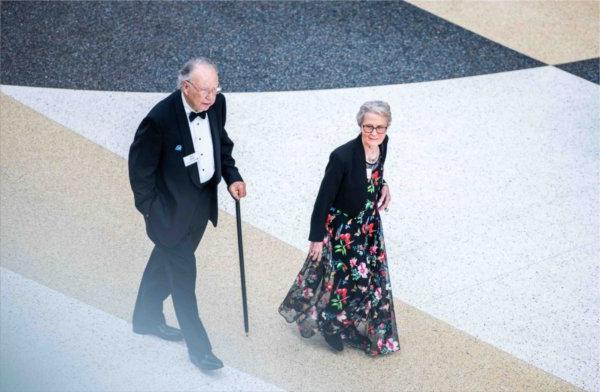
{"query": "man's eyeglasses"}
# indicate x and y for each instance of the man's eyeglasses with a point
(206, 92)
(368, 129)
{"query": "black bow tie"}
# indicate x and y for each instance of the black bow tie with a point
(193, 115)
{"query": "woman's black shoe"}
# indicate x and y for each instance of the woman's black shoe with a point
(334, 341)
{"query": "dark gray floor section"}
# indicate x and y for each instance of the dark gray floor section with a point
(260, 46)
(587, 69)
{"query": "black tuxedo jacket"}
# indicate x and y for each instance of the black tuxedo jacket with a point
(167, 192)
(344, 185)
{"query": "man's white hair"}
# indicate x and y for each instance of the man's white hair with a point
(185, 73)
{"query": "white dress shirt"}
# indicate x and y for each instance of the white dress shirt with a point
(203, 143)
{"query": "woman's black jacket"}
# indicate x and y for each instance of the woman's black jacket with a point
(344, 185)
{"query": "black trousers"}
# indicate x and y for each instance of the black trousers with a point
(172, 271)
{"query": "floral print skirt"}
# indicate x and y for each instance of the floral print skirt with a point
(348, 290)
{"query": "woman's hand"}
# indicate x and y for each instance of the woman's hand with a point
(315, 250)
(384, 200)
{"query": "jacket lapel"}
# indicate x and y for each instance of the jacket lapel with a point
(213, 120)
(186, 136)
(383, 148)
(360, 161)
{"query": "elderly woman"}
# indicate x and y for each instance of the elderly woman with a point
(343, 289)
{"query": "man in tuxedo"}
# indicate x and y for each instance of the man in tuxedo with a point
(178, 156)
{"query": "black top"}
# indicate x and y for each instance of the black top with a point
(344, 185)
(167, 192)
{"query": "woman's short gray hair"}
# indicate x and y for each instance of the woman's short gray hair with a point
(378, 107)
(185, 72)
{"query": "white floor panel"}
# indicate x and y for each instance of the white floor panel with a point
(50, 342)
(489, 175)
(546, 314)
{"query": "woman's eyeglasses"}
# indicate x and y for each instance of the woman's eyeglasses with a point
(368, 129)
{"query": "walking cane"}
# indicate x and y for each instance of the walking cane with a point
(238, 216)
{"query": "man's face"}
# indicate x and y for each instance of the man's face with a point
(201, 90)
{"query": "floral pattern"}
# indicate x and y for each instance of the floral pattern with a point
(348, 291)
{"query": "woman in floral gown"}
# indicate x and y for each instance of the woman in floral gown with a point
(343, 290)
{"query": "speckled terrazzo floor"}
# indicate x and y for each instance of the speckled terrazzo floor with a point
(493, 167)
(113, 354)
(553, 32)
(99, 267)
(268, 45)
(587, 69)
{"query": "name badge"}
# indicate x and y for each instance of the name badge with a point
(190, 159)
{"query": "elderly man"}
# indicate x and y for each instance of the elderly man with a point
(178, 156)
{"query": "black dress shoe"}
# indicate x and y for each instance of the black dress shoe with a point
(163, 331)
(334, 341)
(206, 361)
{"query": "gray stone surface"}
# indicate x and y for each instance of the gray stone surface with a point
(586, 69)
(260, 46)
(51, 342)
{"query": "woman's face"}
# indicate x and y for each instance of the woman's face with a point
(373, 129)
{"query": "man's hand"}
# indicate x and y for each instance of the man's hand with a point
(315, 250)
(237, 190)
(385, 198)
